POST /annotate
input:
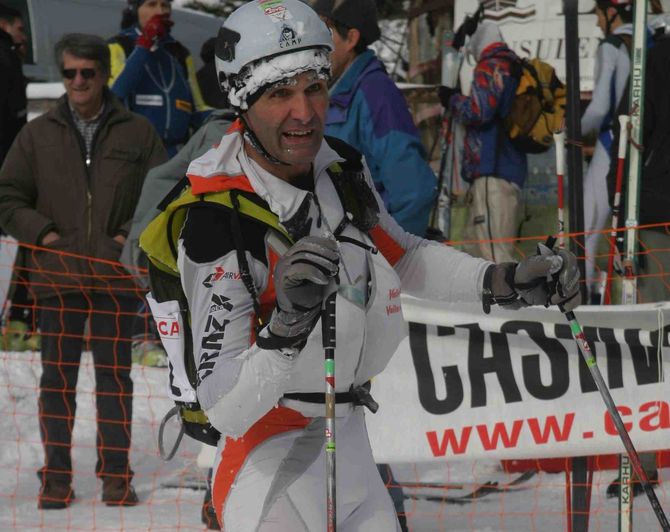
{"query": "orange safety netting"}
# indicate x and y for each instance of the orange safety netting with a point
(519, 495)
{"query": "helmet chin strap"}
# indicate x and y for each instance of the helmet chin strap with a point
(256, 144)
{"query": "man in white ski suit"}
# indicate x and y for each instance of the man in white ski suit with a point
(263, 388)
(612, 67)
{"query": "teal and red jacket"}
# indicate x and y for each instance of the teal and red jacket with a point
(368, 111)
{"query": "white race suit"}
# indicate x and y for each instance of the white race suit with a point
(270, 472)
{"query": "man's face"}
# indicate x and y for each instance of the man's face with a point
(289, 120)
(83, 92)
(16, 30)
(153, 7)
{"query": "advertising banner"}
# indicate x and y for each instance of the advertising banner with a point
(512, 385)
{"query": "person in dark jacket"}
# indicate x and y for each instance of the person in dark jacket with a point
(368, 111)
(12, 83)
(19, 321)
(81, 213)
(495, 169)
(154, 75)
(207, 78)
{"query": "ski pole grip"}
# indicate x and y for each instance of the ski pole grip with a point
(624, 120)
(559, 140)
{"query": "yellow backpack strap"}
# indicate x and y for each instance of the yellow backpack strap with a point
(159, 239)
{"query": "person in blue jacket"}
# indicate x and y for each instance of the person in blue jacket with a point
(495, 169)
(154, 74)
(368, 111)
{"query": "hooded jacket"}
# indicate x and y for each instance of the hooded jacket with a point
(45, 186)
(368, 111)
(488, 150)
(159, 84)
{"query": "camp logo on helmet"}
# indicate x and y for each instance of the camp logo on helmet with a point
(288, 37)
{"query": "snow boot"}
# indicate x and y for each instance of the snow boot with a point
(615, 487)
(118, 492)
(55, 495)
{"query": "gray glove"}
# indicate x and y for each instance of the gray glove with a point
(549, 278)
(301, 277)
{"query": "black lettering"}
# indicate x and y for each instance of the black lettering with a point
(645, 359)
(525, 47)
(500, 364)
(614, 360)
(418, 346)
(558, 360)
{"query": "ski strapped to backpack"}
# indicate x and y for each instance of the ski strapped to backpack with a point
(538, 107)
(168, 302)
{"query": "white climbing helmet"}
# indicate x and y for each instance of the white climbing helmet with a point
(266, 41)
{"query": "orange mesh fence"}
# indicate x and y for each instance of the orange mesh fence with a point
(98, 306)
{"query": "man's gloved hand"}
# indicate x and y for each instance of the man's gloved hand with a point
(301, 280)
(549, 278)
(445, 94)
(154, 30)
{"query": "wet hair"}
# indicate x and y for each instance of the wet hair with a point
(9, 14)
(84, 46)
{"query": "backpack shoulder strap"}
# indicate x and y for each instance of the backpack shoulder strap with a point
(179, 52)
(125, 41)
(358, 200)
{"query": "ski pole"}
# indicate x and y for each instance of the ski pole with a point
(590, 360)
(328, 333)
(592, 364)
(616, 207)
(559, 140)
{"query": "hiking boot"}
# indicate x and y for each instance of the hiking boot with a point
(118, 492)
(615, 487)
(55, 495)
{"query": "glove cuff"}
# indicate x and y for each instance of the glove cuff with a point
(499, 286)
(288, 329)
(144, 42)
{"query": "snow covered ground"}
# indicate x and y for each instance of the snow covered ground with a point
(169, 502)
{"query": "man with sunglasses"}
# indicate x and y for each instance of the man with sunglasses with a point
(70, 184)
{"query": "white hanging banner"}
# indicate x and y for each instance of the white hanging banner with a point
(512, 385)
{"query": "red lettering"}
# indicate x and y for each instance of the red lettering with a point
(394, 292)
(658, 418)
(499, 432)
(163, 328)
(610, 428)
(448, 441)
(551, 427)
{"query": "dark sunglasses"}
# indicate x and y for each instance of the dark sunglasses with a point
(71, 73)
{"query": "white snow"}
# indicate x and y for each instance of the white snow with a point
(537, 504)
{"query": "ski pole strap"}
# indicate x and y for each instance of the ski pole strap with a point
(161, 429)
(358, 395)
